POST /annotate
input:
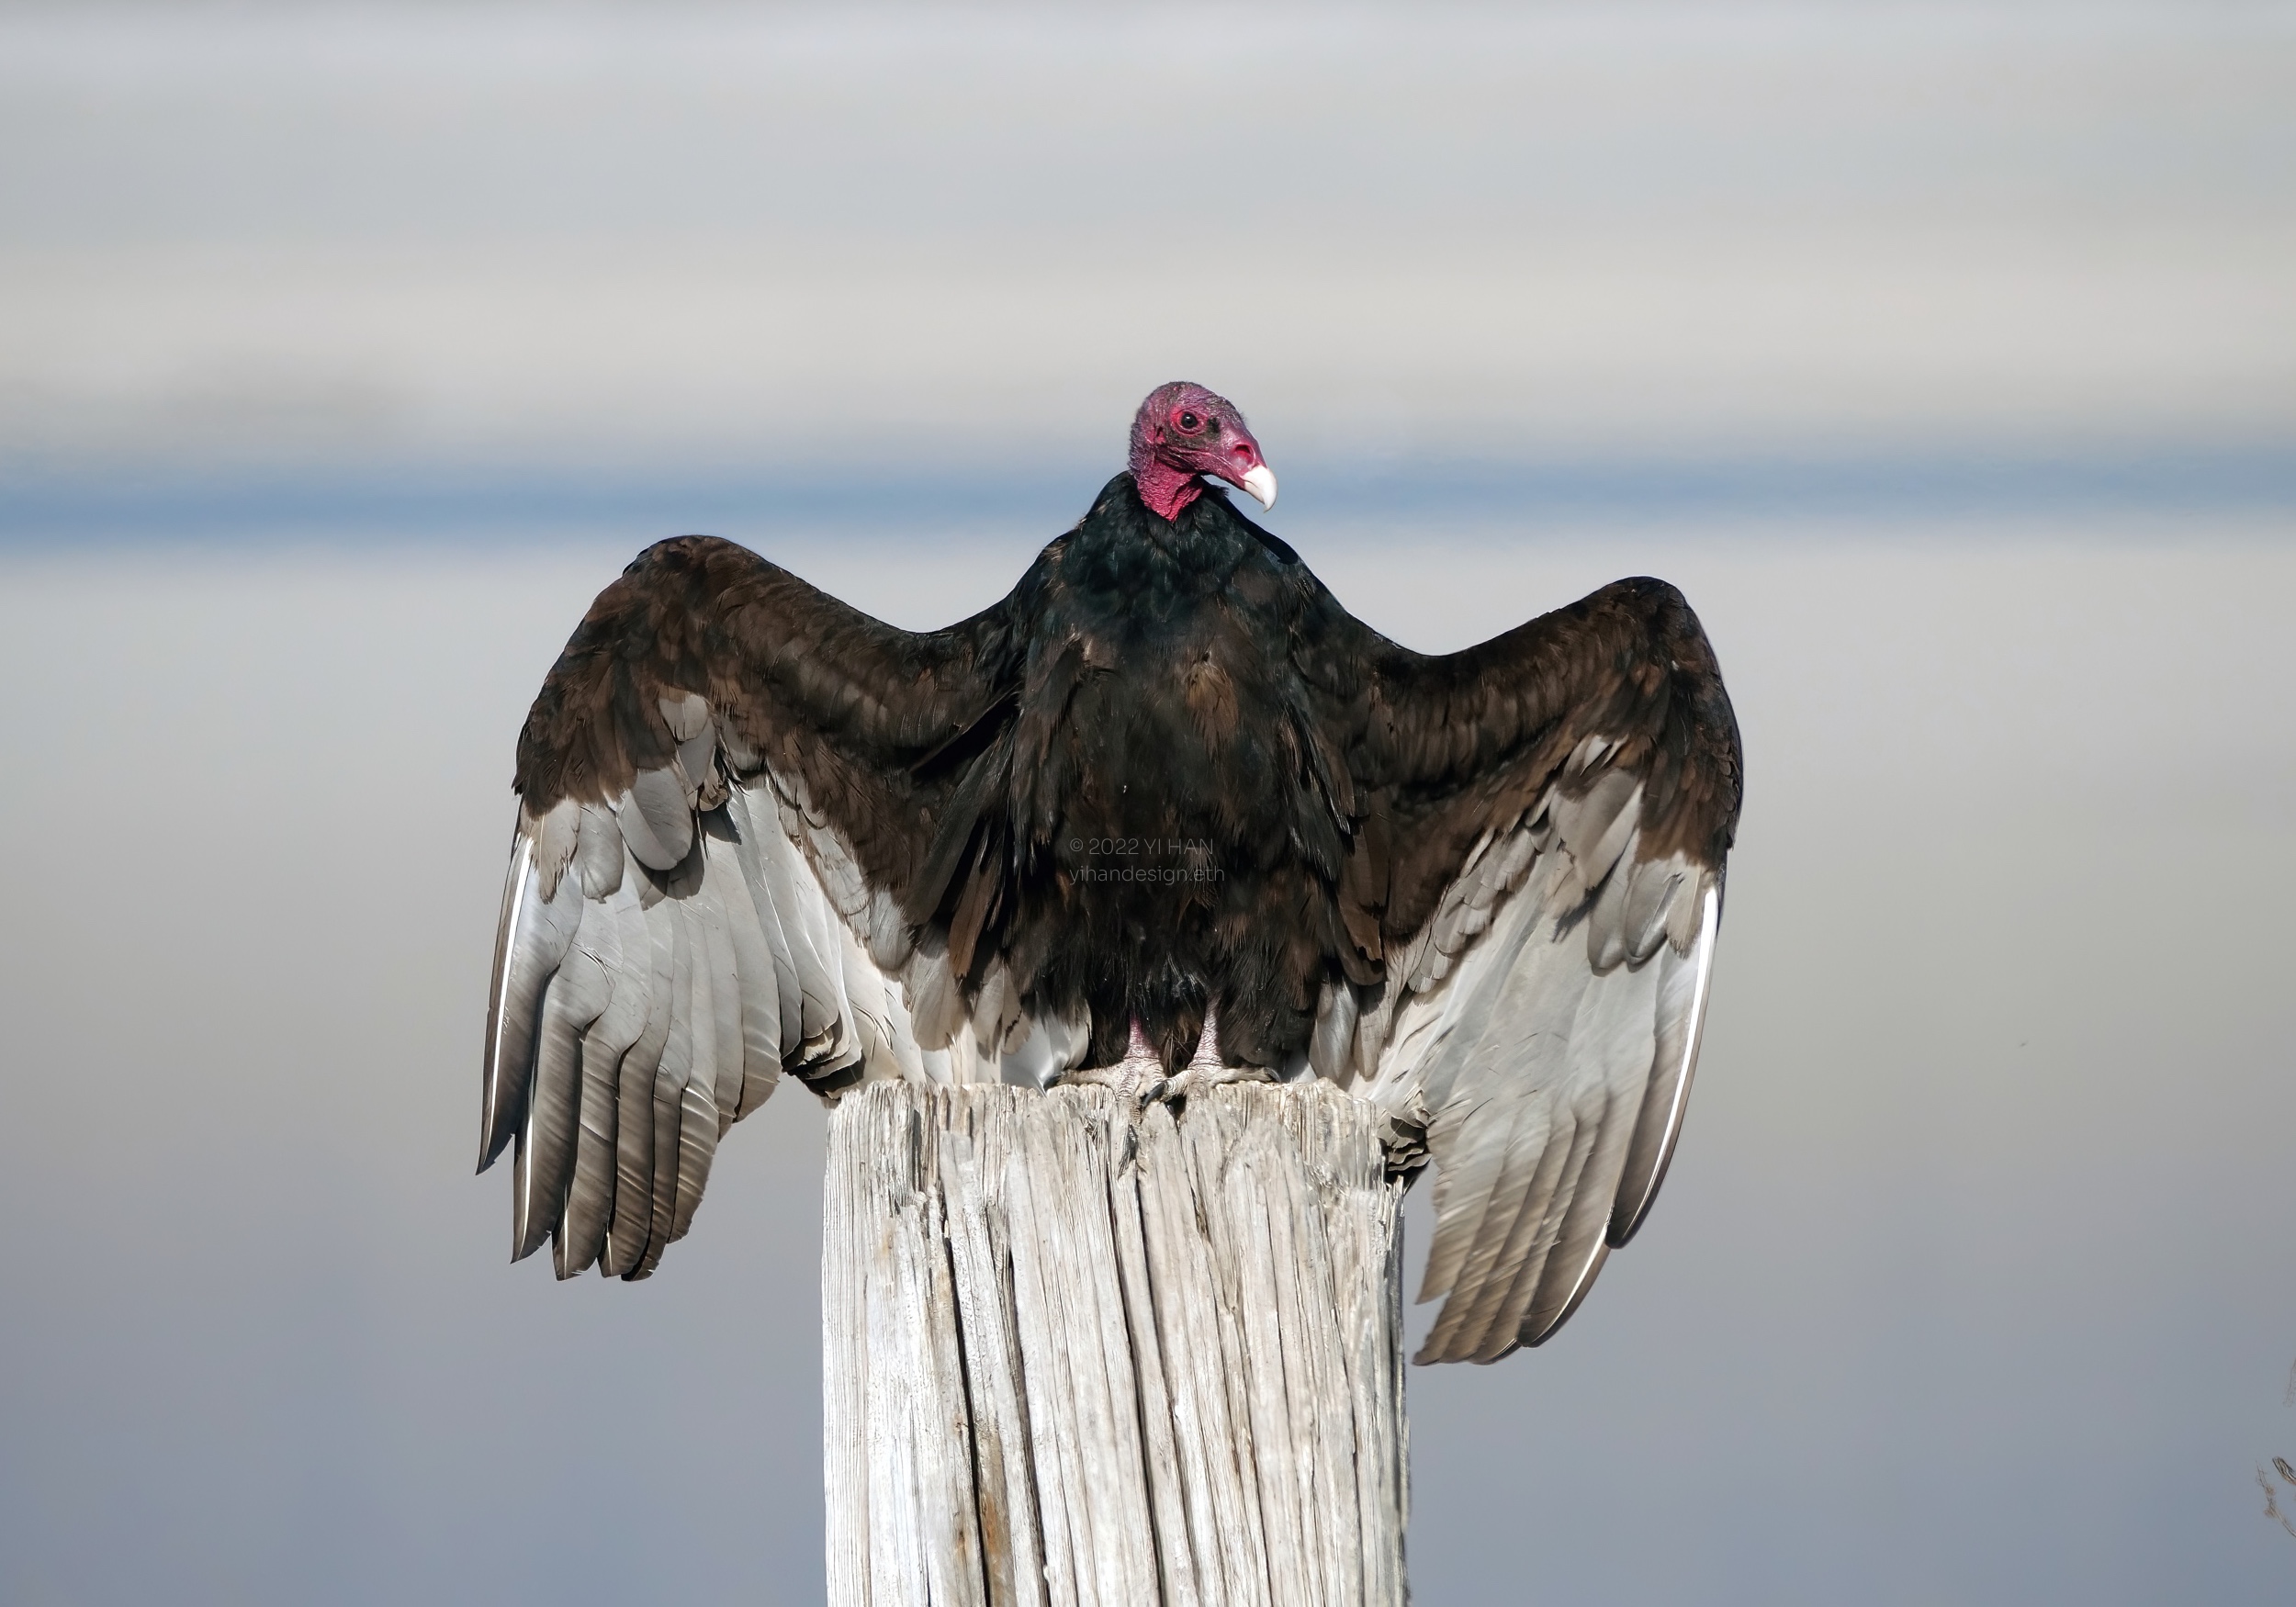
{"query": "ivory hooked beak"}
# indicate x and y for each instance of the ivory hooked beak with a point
(1261, 485)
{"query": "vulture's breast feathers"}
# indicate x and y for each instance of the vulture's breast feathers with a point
(1169, 799)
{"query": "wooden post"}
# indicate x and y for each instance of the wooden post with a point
(1080, 1356)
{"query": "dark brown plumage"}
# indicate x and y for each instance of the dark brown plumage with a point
(1168, 778)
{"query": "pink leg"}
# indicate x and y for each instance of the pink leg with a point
(1204, 1069)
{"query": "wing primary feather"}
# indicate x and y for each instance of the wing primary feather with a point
(1647, 1162)
(1474, 1141)
(1605, 1063)
(1513, 1237)
(532, 939)
(1562, 1169)
(590, 1199)
(1486, 1223)
(1613, 1043)
(669, 1090)
(545, 1163)
(632, 1224)
(697, 1114)
(1578, 1294)
(1578, 1242)
(493, 1131)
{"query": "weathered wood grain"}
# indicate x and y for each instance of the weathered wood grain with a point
(1079, 1356)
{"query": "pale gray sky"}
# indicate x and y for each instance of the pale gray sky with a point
(659, 238)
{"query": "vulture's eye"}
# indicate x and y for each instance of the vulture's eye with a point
(1190, 422)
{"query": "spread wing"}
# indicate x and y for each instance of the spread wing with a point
(727, 788)
(1538, 865)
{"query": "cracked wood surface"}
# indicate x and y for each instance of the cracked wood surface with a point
(1076, 1356)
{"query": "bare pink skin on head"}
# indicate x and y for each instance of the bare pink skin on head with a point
(1183, 431)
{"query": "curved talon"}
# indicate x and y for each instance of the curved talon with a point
(1195, 1077)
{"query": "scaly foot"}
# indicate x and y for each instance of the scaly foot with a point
(1141, 1075)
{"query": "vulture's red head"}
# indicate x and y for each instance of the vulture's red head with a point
(1183, 431)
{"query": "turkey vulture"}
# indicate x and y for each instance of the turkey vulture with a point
(1167, 814)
